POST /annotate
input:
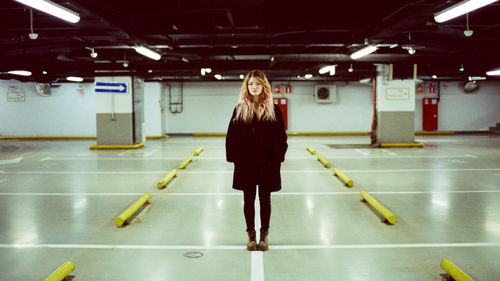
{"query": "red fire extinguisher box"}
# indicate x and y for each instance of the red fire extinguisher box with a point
(283, 105)
(430, 114)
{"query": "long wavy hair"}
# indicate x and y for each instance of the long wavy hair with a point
(263, 108)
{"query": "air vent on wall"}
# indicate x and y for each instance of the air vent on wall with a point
(42, 89)
(324, 94)
(471, 87)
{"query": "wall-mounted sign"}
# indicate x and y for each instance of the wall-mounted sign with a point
(397, 94)
(15, 94)
(111, 87)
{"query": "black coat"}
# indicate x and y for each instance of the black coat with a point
(257, 149)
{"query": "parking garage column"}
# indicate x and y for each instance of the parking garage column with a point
(119, 110)
(395, 108)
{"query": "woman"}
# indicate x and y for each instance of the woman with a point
(256, 144)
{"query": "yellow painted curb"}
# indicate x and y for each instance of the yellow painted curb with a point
(157, 137)
(328, 133)
(414, 144)
(209, 134)
(455, 272)
(48, 138)
(435, 133)
(118, 146)
(324, 161)
(61, 272)
(345, 179)
(198, 151)
(390, 217)
(185, 162)
(311, 150)
(166, 179)
(123, 217)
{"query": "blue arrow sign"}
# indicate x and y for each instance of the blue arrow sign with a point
(110, 87)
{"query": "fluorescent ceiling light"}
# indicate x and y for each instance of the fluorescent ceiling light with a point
(147, 52)
(20, 72)
(205, 70)
(218, 76)
(363, 52)
(308, 76)
(461, 8)
(495, 72)
(54, 9)
(473, 78)
(328, 68)
(74, 79)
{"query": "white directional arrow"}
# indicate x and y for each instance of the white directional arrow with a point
(11, 161)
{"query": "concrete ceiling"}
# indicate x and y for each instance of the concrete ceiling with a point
(284, 39)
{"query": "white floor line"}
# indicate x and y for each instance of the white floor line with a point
(110, 158)
(257, 264)
(223, 158)
(241, 247)
(231, 171)
(257, 212)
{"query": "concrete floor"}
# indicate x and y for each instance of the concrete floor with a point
(58, 201)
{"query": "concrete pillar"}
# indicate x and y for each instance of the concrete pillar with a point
(119, 110)
(395, 108)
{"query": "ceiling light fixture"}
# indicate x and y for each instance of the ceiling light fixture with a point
(495, 72)
(460, 9)
(242, 76)
(218, 76)
(205, 71)
(308, 76)
(20, 72)
(363, 52)
(467, 32)
(350, 68)
(461, 68)
(434, 76)
(184, 59)
(93, 54)
(52, 8)
(147, 52)
(32, 34)
(411, 51)
(74, 79)
(328, 68)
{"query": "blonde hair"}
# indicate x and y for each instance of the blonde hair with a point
(263, 108)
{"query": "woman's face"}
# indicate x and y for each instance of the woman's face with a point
(254, 86)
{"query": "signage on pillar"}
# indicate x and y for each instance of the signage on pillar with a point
(111, 87)
(277, 90)
(288, 89)
(432, 89)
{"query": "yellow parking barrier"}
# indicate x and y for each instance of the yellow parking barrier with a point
(324, 161)
(311, 150)
(186, 162)
(123, 217)
(390, 217)
(347, 181)
(455, 272)
(167, 178)
(61, 272)
(198, 151)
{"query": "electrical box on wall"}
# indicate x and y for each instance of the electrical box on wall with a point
(325, 94)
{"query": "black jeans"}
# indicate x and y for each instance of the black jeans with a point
(249, 207)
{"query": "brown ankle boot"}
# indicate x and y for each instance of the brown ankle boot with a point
(263, 244)
(252, 240)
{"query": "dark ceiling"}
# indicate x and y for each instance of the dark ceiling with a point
(282, 38)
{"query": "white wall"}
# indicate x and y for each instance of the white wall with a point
(66, 112)
(458, 111)
(208, 107)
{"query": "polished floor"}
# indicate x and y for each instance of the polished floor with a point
(58, 201)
